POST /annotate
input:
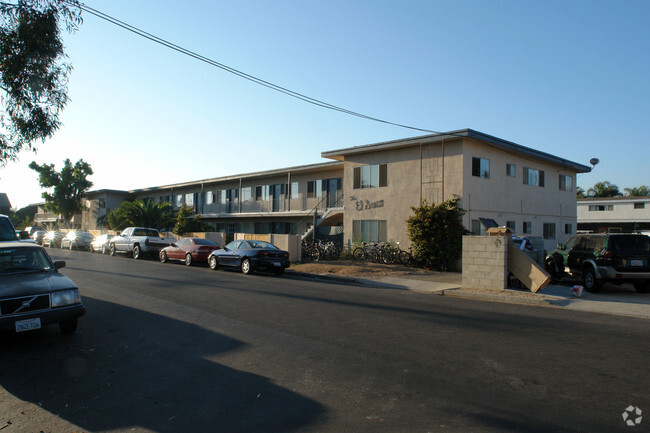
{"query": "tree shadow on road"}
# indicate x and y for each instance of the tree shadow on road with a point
(127, 368)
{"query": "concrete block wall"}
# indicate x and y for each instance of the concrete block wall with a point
(485, 262)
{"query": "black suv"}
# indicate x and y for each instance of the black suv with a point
(598, 258)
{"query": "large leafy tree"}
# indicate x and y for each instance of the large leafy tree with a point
(70, 186)
(604, 189)
(638, 191)
(142, 213)
(33, 74)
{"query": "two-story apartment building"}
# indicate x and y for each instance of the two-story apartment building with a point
(367, 191)
(530, 191)
(614, 214)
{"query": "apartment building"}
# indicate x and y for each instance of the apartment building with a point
(366, 192)
(614, 214)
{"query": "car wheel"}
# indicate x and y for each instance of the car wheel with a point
(163, 257)
(112, 250)
(246, 267)
(136, 252)
(188, 259)
(589, 281)
(213, 262)
(642, 286)
(68, 326)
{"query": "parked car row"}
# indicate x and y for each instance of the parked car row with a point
(246, 255)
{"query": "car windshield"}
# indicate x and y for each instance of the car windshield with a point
(629, 244)
(7, 232)
(23, 259)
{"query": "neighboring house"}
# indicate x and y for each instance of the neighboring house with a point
(531, 192)
(5, 204)
(368, 191)
(614, 214)
(50, 220)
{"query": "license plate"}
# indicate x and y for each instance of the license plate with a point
(636, 262)
(28, 324)
(277, 264)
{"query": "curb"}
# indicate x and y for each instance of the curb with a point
(505, 298)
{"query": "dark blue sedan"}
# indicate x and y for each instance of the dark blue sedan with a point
(249, 256)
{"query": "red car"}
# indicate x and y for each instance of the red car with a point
(189, 250)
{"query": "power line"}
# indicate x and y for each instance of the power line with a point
(234, 71)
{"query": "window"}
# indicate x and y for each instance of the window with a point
(528, 227)
(189, 199)
(549, 230)
(533, 177)
(511, 170)
(639, 205)
(315, 188)
(369, 231)
(568, 229)
(481, 168)
(370, 176)
(178, 200)
(511, 225)
(293, 189)
(263, 192)
(601, 207)
(209, 197)
(246, 193)
(566, 183)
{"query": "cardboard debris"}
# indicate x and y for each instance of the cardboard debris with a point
(526, 270)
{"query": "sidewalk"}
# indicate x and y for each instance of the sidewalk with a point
(617, 300)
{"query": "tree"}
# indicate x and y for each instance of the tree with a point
(33, 75)
(603, 189)
(639, 191)
(436, 234)
(142, 213)
(580, 193)
(70, 186)
(185, 223)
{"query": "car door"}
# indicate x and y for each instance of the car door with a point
(230, 255)
(121, 240)
(176, 252)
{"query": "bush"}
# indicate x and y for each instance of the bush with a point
(436, 234)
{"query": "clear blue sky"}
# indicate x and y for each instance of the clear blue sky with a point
(571, 78)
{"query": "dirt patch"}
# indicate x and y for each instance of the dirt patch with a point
(351, 268)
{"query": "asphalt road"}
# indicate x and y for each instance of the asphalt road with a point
(167, 348)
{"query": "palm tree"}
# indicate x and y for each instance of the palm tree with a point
(639, 191)
(604, 189)
(142, 213)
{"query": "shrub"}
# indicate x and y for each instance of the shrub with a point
(436, 234)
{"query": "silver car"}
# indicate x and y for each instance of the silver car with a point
(53, 239)
(101, 243)
(77, 240)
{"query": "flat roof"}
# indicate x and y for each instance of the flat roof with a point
(490, 140)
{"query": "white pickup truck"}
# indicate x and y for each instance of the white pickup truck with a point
(138, 241)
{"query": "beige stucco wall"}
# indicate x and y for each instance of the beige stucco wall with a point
(437, 172)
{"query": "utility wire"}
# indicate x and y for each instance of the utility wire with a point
(234, 71)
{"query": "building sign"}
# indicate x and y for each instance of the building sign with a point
(367, 204)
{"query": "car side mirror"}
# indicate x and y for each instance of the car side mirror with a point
(59, 264)
(560, 246)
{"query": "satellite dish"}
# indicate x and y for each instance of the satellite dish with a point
(594, 161)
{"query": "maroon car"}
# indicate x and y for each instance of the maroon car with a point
(189, 250)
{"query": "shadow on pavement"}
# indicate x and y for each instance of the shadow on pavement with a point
(149, 371)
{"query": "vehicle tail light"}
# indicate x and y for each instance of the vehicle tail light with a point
(263, 253)
(608, 255)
